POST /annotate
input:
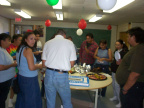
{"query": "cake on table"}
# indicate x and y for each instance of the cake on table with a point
(79, 81)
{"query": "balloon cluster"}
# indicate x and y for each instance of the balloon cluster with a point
(82, 25)
(51, 3)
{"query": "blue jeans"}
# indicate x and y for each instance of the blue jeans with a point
(57, 82)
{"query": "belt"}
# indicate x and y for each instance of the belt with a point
(57, 70)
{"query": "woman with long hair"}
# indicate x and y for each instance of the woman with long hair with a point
(29, 95)
(122, 49)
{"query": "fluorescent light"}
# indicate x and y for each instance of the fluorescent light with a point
(58, 5)
(5, 3)
(95, 18)
(59, 15)
(119, 4)
(22, 13)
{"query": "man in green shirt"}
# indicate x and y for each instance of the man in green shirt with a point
(130, 73)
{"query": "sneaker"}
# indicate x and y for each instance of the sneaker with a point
(10, 104)
(118, 105)
(113, 98)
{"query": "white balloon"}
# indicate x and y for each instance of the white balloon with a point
(106, 4)
(79, 32)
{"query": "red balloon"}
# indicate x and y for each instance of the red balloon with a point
(47, 23)
(109, 27)
(82, 24)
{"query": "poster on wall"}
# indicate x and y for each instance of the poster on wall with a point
(22, 29)
(40, 28)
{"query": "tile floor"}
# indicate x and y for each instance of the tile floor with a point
(88, 96)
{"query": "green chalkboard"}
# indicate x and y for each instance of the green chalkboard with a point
(98, 34)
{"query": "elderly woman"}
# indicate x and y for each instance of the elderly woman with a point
(29, 95)
(7, 68)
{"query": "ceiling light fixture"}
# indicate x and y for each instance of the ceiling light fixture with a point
(59, 15)
(119, 4)
(5, 3)
(22, 13)
(95, 18)
(58, 5)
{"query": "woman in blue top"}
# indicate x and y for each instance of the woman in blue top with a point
(103, 57)
(7, 68)
(29, 95)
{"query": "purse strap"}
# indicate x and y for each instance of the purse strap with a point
(20, 54)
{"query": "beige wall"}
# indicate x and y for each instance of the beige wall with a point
(4, 25)
(138, 25)
(69, 25)
(122, 28)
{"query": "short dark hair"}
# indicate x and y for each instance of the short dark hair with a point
(69, 37)
(103, 42)
(138, 33)
(24, 42)
(36, 32)
(15, 37)
(61, 32)
(4, 36)
(90, 35)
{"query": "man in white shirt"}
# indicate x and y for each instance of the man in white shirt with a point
(58, 56)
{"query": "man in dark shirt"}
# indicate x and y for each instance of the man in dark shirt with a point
(130, 73)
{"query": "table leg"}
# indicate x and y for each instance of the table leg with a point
(96, 98)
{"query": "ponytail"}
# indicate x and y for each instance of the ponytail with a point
(125, 48)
